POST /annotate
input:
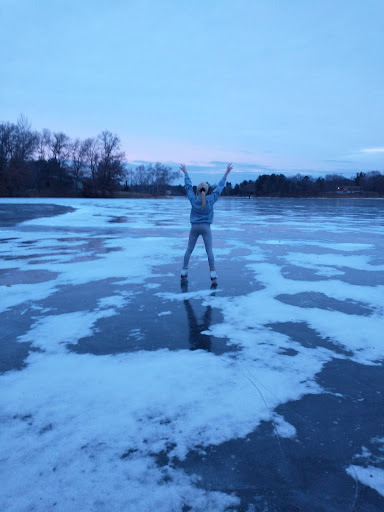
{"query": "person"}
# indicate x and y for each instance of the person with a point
(201, 218)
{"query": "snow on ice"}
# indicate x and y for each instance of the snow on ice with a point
(85, 432)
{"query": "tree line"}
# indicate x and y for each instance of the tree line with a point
(278, 185)
(363, 184)
(50, 163)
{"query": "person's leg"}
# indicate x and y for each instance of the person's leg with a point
(207, 237)
(193, 236)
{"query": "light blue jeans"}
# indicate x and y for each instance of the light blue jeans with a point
(203, 229)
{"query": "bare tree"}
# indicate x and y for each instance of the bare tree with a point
(163, 177)
(130, 177)
(154, 179)
(110, 169)
(142, 177)
(43, 174)
(26, 140)
(60, 148)
(17, 147)
(7, 138)
(79, 153)
(92, 156)
(43, 144)
(7, 135)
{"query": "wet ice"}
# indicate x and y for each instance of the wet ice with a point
(127, 367)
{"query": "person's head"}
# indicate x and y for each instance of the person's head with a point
(202, 191)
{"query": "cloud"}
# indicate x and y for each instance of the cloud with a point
(339, 161)
(372, 150)
(244, 167)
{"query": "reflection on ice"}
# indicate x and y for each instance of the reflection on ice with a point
(197, 338)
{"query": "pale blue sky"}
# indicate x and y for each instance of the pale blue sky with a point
(278, 86)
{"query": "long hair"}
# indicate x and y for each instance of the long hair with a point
(202, 190)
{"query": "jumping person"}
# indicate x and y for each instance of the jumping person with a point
(201, 218)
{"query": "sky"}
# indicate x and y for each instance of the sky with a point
(272, 86)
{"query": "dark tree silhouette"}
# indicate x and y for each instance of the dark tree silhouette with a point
(47, 163)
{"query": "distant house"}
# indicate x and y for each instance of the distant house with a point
(349, 190)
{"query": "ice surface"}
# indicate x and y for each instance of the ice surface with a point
(370, 475)
(100, 432)
(370, 470)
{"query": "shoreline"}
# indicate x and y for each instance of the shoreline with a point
(148, 196)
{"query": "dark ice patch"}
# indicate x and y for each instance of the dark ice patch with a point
(302, 274)
(80, 297)
(46, 428)
(12, 214)
(13, 354)
(6, 240)
(128, 453)
(362, 277)
(345, 274)
(231, 282)
(182, 329)
(71, 239)
(322, 301)
(308, 472)
(15, 276)
(138, 325)
(306, 336)
(15, 322)
(26, 418)
(42, 262)
(118, 220)
(19, 319)
(288, 352)
(373, 455)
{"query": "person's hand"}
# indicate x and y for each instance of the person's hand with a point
(182, 168)
(229, 169)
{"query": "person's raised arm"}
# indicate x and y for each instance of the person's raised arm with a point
(218, 190)
(229, 169)
(187, 182)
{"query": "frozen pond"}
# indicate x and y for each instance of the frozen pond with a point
(122, 391)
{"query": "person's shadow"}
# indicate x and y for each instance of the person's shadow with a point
(197, 340)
